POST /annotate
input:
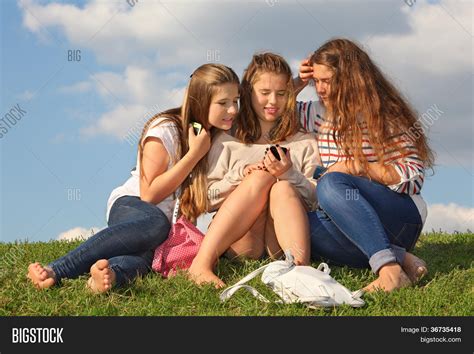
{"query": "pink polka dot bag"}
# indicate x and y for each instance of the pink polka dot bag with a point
(180, 248)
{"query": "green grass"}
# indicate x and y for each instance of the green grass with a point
(446, 291)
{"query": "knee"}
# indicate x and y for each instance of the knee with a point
(282, 188)
(159, 228)
(329, 180)
(260, 180)
(328, 186)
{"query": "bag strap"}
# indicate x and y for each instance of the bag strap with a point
(176, 210)
(227, 293)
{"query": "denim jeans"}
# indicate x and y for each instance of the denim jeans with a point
(135, 229)
(361, 223)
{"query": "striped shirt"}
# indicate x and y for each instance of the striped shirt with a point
(409, 166)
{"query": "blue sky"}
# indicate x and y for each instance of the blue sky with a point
(63, 158)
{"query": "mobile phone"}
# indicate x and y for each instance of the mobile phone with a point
(275, 153)
(197, 127)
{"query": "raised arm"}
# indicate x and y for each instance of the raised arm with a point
(305, 73)
(156, 182)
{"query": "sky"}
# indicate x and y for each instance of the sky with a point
(79, 78)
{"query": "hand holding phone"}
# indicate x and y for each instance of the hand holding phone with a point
(277, 165)
(275, 153)
(199, 141)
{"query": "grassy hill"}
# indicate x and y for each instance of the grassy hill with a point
(446, 291)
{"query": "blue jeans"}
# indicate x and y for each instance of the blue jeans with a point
(362, 223)
(135, 229)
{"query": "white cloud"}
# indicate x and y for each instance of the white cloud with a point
(425, 48)
(78, 233)
(437, 43)
(116, 122)
(449, 218)
(432, 63)
(135, 96)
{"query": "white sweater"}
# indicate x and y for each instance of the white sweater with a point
(228, 157)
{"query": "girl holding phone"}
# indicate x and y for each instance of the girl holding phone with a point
(170, 159)
(262, 193)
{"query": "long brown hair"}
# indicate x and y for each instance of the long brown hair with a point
(197, 100)
(247, 126)
(360, 90)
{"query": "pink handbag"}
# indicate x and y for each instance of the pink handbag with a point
(179, 249)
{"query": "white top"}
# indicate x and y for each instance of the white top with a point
(228, 158)
(168, 134)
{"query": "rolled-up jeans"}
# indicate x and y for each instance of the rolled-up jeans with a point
(135, 229)
(362, 223)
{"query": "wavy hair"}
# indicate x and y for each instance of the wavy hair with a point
(359, 89)
(195, 108)
(247, 126)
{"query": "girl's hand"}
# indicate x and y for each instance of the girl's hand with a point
(253, 167)
(200, 144)
(275, 167)
(305, 71)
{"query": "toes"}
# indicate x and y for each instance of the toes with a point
(33, 265)
(46, 283)
(102, 264)
(102, 276)
(220, 285)
(43, 275)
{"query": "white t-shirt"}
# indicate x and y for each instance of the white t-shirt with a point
(168, 134)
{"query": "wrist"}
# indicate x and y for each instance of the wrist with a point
(193, 154)
(284, 174)
(299, 82)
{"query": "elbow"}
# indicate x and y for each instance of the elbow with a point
(153, 198)
(146, 198)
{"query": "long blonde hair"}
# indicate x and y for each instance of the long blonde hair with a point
(359, 89)
(248, 128)
(197, 100)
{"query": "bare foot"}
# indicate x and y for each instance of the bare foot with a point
(414, 267)
(391, 277)
(102, 277)
(41, 277)
(201, 275)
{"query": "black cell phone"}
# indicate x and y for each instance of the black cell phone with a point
(197, 127)
(275, 153)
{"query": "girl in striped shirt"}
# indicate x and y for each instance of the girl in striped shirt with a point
(370, 208)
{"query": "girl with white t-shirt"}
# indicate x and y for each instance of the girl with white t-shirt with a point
(170, 161)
